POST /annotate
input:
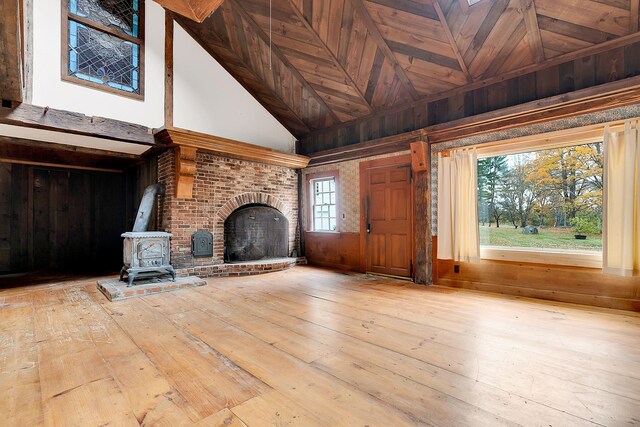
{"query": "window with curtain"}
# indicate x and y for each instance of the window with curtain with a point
(549, 199)
(569, 198)
(622, 199)
(103, 44)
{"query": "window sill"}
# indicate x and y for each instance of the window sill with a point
(322, 232)
(588, 259)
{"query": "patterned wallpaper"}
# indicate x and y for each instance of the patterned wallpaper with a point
(348, 191)
(632, 111)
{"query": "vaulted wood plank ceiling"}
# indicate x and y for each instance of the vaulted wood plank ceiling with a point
(318, 63)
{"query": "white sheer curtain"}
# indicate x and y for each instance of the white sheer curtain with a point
(458, 237)
(621, 233)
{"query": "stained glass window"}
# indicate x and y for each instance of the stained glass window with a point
(104, 43)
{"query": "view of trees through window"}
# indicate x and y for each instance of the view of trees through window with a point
(544, 199)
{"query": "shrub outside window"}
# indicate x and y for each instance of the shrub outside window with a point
(550, 199)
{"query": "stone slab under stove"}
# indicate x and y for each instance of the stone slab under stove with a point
(115, 289)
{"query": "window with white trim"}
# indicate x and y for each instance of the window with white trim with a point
(541, 201)
(323, 204)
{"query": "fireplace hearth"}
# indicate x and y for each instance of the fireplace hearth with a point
(255, 232)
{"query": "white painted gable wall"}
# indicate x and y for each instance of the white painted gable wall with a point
(206, 98)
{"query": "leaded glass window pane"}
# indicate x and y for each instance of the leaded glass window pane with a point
(104, 59)
(121, 15)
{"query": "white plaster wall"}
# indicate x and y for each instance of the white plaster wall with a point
(50, 90)
(208, 99)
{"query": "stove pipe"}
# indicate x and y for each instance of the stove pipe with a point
(146, 206)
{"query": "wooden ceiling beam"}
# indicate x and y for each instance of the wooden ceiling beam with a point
(359, 6)
(265, 38)
(11, 51)
(452, 40)
(633, 20)
(65, 121)
(528, 8)
(349, 80)
(196, 10)
(298, 129)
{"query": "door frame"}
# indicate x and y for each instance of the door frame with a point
(364, 168)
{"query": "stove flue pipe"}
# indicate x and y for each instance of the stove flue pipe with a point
(146, 206)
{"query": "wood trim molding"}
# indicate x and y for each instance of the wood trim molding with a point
(603, 97)
(175, 137)
(185, 171)
(386, 145)
(196, 10)
(188, 143)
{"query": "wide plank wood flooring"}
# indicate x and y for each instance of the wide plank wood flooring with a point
(312, 347)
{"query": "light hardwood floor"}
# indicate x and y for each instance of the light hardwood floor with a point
(312, 347)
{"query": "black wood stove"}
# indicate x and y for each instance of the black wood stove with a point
(146, 253)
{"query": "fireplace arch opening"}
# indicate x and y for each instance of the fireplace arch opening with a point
(255, 232)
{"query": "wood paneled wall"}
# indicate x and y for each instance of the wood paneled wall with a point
(335, 250)
(58, 219)
(576, 285)
(604, 67)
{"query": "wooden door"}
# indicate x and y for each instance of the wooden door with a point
(388, 228)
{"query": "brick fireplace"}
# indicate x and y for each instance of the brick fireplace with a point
(222, 186)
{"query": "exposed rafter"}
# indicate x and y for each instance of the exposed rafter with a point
(335, 61)
(452, 40)
(196, 10)
(384, 47)
(276, 51)
(533, 31)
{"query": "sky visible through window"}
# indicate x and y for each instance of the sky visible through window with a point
(549, 199)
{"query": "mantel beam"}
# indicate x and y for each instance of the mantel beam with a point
(187, 143)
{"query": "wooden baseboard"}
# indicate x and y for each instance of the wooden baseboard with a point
(558, 296)
(577, 285)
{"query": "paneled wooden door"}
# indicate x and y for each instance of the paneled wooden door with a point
(388, 222)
